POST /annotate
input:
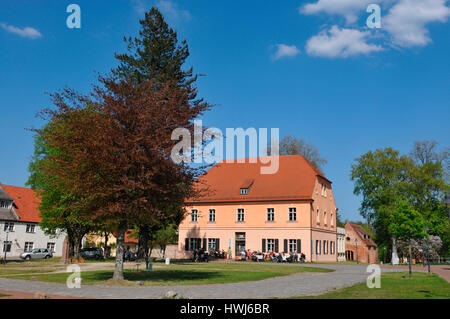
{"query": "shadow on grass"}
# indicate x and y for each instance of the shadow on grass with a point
(172, 275)
(154, 276)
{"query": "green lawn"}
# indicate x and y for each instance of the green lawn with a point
(4, 295)
(395, 286)
(7, 272)
(182, 274)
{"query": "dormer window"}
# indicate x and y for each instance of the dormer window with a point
(244, 191)
(245, 186)
(5, 204)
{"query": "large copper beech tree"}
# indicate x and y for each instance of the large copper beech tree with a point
(115, 147)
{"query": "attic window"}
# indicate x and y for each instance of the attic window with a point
(5, 204)
(244, 191)
(245, 186)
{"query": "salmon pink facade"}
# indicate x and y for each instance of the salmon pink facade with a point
(291, 210)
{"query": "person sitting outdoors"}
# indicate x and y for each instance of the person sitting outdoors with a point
(243, 255)
(280, 257)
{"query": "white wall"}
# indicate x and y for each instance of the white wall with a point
(341, 243)
(19, 236)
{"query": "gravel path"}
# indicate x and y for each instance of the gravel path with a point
(285, 286)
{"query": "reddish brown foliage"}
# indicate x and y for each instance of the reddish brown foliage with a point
(114, 149)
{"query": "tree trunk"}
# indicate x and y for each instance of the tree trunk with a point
(394, 259)
(106, 245)
(71, 248)
(78, 238)
(118, 270)
(65, 251)
(151, 250)
(143, 242)
(409, 260)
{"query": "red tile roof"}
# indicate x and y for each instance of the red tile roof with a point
(295, 179)
(361, 232)
(26, 203)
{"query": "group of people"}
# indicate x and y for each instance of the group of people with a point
(272, 256)
(200, 255)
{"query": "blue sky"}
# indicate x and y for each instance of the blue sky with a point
(311, 68)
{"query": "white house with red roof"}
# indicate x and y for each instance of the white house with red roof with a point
(19, 223)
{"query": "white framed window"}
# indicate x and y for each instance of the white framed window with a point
(194, 215)
(292, 214)
(30, 228)
(270, 214)
(317, 218)
(194, 243)
(5, 204)
(292, 245)
(28, 246)
(270, 245)
(212, 215)
(324, 218)
(9, 226)
(324, 190)
(211, 244)
(331, 220)
(51, 247)
(240, 215)
(244, 191)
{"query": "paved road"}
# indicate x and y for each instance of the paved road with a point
(285, 286)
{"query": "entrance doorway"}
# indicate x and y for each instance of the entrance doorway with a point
(239, 243)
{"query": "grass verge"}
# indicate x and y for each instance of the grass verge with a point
(396, 285)
(181, 274)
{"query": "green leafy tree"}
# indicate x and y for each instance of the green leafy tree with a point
(429, 184)
(406, 224)
(55, 208)
(380, 180)
(383, 177)
(165, 236)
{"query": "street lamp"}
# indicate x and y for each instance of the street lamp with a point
(356, 241)
(428, 248)
(6, 245)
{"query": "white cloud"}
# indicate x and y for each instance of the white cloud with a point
(168, 8)
(285, 51)
(26, 32)
(406, 20)
(340, 43)
(350, 9)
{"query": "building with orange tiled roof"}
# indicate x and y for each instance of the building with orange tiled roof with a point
(292, 210)
(19, 223)
(358, 245)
